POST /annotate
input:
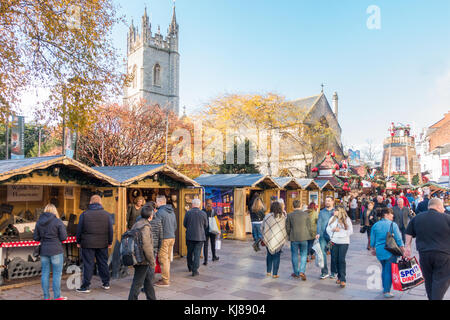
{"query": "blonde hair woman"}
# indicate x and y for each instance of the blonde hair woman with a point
(51, 231)
(339, 229)
(134, 211)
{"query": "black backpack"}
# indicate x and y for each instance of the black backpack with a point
(131, 248)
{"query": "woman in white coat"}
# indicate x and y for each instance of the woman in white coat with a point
(339, 229)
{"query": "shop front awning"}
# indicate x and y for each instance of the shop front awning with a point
(127, 175)
(236, 180)
(15, 169)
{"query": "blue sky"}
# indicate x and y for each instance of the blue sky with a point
(398, 73)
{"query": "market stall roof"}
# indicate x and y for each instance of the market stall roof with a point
(335, 181)
(434, 185)
(287, 182)
(324, 184)
(127, 175)
(236, 180)
(15, 167)
(306, 183)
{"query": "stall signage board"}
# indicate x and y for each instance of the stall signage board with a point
(391, 185)
(24, 193)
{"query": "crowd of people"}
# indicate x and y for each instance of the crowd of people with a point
(378, 215)
(312, 234)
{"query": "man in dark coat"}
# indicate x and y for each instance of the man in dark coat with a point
(423, 205)
(401, 216)
(196, 224)
(94, 237)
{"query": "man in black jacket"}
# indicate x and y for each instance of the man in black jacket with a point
(196, 224)
(432, 232)
(94, 237)
(379, 205)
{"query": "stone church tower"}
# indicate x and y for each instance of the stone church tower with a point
(154, 62)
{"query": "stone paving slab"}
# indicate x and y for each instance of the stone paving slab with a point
(241, 274)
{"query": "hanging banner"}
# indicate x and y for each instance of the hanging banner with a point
(17, 137)
(24, 193)
(445, 167)
(70, 142)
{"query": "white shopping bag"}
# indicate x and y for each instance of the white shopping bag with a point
(319, 255)
(218, 244)
(213, 228)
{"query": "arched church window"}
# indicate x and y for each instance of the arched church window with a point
(157, 75)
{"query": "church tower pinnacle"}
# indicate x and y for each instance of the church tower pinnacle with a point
(153, 62)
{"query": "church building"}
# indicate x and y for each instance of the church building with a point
(294, 160)
(154, 63)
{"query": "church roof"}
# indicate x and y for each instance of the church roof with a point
(307, 103)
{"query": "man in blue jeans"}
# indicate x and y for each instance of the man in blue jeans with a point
(299, 230)
(324, 216)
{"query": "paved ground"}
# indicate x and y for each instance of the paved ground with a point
(240, 274)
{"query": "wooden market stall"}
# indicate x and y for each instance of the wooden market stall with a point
(309, 192)
(26, 187)
(149, 181)
(231, 194)
(290, 190)
(326, 189)
(434, 187)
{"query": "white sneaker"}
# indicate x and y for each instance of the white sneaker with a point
(324, 276)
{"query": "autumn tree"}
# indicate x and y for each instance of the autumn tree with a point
(127, 136)
(274, 123)
(64, 46)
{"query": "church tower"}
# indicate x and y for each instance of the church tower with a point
(154, 63)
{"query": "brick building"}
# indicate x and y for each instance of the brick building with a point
(433, 147)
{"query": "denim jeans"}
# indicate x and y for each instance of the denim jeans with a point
(310, 245)
(295, 247)
(353, 214)
(338, 264)
(386, 273)
(256, 231)
(273, 262)
(143, 276)
(56, 262)
(323, 246)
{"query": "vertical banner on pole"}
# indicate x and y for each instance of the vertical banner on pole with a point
(17, 137)
(70, 141)
(445, 167)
